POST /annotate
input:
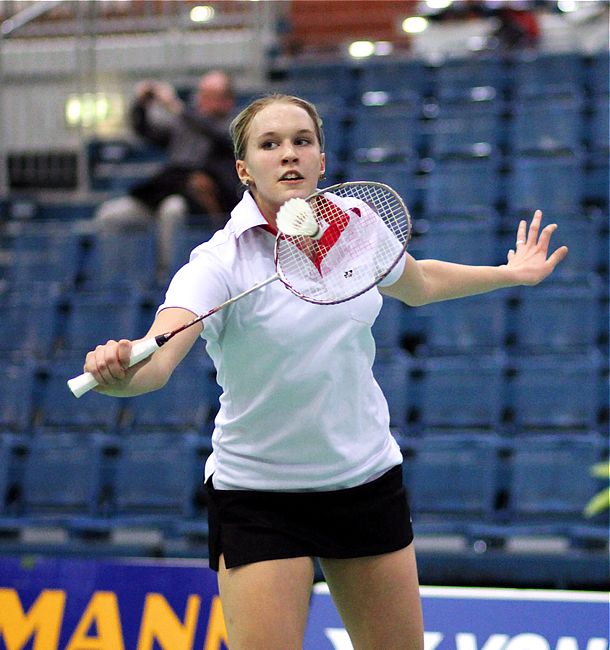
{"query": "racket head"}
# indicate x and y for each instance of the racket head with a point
(366, 228)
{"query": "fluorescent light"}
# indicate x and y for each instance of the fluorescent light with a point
(439, 4)
(414, 24)
(202, 14)
(93, 109)
(361, 49)
(567, 6)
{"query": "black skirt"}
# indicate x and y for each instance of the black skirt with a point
(249, 526)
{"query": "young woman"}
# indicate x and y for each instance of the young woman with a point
(304, 465)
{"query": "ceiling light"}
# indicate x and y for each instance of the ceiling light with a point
(414, 24)
(202, 14)
(361, 49)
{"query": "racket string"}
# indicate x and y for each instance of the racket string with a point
(366, 228)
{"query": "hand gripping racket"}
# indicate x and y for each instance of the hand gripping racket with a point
(331, 247)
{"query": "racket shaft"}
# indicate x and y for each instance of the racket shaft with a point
(140, 351)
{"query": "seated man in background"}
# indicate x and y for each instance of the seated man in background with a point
(199, 176)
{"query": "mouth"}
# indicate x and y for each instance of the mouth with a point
(291, 176)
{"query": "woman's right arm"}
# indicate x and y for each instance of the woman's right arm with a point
(109, 363)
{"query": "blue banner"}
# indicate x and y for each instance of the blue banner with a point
(487, 619)
(70, 604)
(67, 604)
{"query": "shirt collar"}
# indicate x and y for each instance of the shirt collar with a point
(246, 215)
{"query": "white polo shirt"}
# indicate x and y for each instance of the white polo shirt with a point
(300, 409)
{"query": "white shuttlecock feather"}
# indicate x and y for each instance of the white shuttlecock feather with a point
(296, 218)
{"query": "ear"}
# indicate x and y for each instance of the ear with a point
(322, 164)
(242, 172)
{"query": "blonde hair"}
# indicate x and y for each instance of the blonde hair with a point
(240, 126)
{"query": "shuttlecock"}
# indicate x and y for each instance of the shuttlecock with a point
(296, 218)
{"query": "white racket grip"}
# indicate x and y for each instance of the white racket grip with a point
(140, 351)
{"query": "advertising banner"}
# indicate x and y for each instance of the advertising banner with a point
(487, 619)
(72, 604)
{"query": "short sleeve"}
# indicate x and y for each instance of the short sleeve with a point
(199, 286)
(395, 273)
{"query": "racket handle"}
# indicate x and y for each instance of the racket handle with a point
(140, 351)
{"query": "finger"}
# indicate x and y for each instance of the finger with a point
(511, 254)
(124, 353)
(532, 236)
(107, 362)
(545, 236)
(522, 231)
(556, 257)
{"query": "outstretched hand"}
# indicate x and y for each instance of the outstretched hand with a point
(530, 261)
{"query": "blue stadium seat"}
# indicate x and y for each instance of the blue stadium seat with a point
(467, 188)
(69, 210)
(6, 467)
(547, 74)
(399, 176)
(62, 476)
(598, 126)
(311, 81)
(58, 409)
(466, 129)
(462, 241)
(597, 73)
(453, 476)
(473, 325)
(550, 476)
(127, 258)
(391, 370)
(557, 317)
(93, 317)
(17, 395)
(553, 184)
(155, 478)
(186, 240)
(107, 156)
(462, 391)
(45, 253)
(30, 319)
(387, 328)
(540, 125)
(597, 179)
(483, 78)
(384, 133)
(401, 81)
(188, 401)
(555, 391)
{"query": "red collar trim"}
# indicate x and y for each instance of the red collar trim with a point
(269, 228)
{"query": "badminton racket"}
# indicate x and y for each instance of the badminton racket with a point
(331, 247)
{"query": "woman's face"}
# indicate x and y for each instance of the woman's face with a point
(283, 158)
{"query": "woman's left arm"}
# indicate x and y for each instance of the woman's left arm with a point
(426, 281)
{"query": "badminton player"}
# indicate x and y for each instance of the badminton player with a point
(304, 465)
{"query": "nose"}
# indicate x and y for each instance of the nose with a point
(289, 153)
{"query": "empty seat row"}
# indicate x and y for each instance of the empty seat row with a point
(487, 391)
(37, 397)
(522, 75)
(93, 483)
(552, 318)
(566, 187)
(91, 487)
(519, 479)
(64, 253)
(541, 126)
